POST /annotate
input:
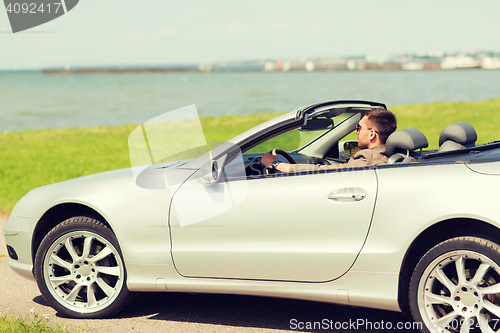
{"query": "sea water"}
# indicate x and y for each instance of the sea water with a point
(30, 100)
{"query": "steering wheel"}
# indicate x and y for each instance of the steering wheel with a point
(285, 155)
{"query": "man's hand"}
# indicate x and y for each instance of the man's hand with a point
(267, 160)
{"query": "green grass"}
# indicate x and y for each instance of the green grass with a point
(432, 118)
(36, 325)
(31, 159)
(34, 158)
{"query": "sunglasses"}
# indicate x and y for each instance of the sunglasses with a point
(359, 128)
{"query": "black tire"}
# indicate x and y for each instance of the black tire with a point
(457, 283)
(79, 269)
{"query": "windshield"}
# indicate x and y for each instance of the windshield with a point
(288, 141)
(295, 138)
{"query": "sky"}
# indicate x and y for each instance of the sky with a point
(164, 32)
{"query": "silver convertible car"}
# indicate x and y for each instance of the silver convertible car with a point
(419, 233)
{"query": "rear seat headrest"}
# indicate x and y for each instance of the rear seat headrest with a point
(461, 132)
(406, 139)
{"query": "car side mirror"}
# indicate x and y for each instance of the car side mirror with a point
(348, 148)
(212, 171)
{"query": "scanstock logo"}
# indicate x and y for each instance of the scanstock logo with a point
(26, 14)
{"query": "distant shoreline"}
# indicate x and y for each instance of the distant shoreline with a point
(120, 70)
(229, 69)
(194, 69)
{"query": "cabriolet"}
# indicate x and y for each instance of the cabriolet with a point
(417, 234)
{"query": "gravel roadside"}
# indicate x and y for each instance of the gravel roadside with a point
(180, 312)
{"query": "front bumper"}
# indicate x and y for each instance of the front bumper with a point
(18, 233)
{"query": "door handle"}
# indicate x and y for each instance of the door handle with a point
(348, 194)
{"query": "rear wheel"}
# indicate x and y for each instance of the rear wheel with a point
(79, 269)
(456, 287)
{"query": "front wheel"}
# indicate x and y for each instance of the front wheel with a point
(456, 287)
(79, 269)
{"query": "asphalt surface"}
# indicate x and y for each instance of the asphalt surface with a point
(180, 312)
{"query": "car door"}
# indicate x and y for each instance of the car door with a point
(293, 227)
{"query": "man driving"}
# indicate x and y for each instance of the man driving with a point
(372, 132)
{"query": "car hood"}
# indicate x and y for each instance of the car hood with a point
(127, 172)
(94, 189)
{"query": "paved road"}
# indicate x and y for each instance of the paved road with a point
(179, 312)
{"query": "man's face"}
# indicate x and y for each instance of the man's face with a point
(364, 133)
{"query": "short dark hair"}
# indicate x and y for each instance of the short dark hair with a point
(384, 121)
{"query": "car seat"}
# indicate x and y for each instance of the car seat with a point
(457, 136)
(401, 145)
